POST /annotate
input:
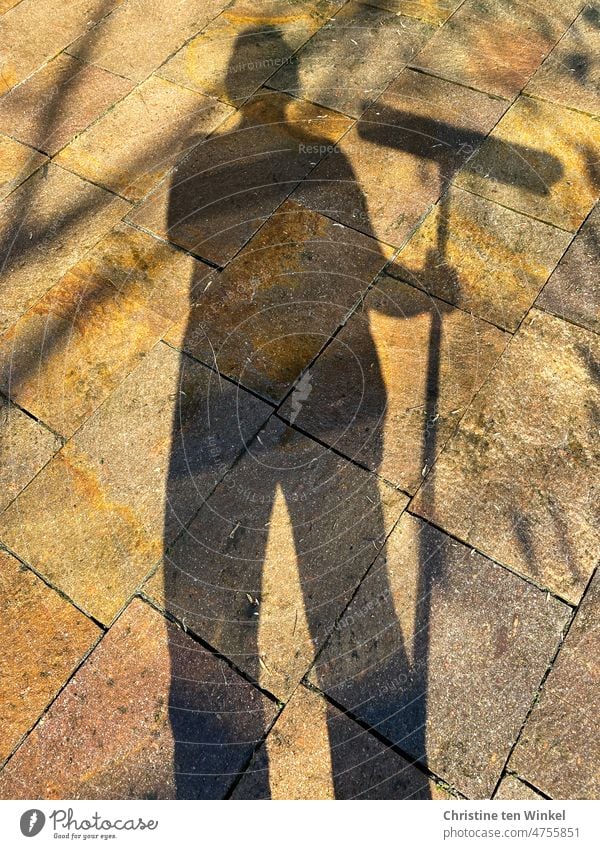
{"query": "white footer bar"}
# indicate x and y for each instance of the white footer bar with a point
(260, 825)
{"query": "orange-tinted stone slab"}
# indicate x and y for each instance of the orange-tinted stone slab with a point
(518, 479)
(573, 292)
(5, 5)
(42, 639)
(496, 45)
(512, 789)
(141, 34)
(166, 118)
(95, 520)
(25, 446)
(150, 715)
(64, 356)
(351, 60)
(93, 549)
(571, 73)
(229, 185)
(433, 11)
(270, 561)
(268, 314)
(73, 347)
(58, 102)
(17, 162)
(388, 170)
(242, 47)
(442, 651)
(482, 257)
(47, 224)
(391, 387)
(559, 749)
(539, 160)
(314, 751)
(146, 268)
(34, 31)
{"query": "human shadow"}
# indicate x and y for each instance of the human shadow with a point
(220, 195)
(261, 324)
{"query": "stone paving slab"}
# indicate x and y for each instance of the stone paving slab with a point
(316, 752)
(517, 480)
(496, 45)
(270, 561)
(17, 162)
(58, 102)
(512, 789)
(29, 41)
(47, 224)
(433, 11)
(559, 749)
(111, 732)
(268, 314)
(571, 73)
(451, 658)
(42, 639)
(388, 170)
(65, 356)
(165, 116)
(221, 195)
(141, 34)
(262, 36)
(491, 262)
(95, 520)
(90, 549)
(572, 292)
(539, 160)
(145, 268)
(401, 372)
(25, 447)
(349, 62)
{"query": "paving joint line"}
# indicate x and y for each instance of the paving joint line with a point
(570, 321)
(58, 53)
(569, 604)
(531, 217)
(195, 637)
(404, 279)
(437, 75)
(418, 763)
(508, 773)
(536, 697)
(65, 597)
(164, 240)
(339, 453)
(11, 401)
(22, 740)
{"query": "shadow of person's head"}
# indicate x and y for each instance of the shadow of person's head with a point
(257, 53)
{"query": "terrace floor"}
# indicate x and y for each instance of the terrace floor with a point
(300, 399)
